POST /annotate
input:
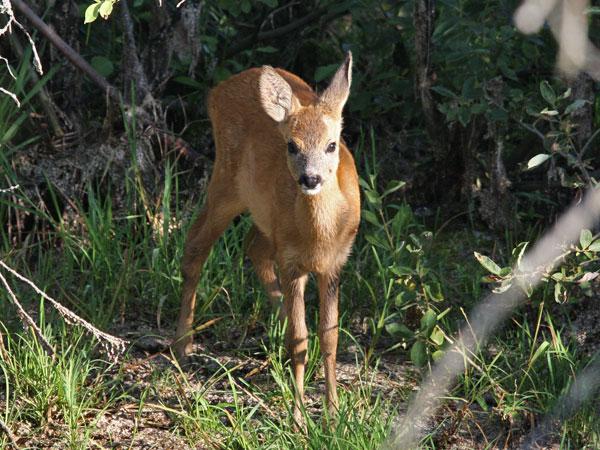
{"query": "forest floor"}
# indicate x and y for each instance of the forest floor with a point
(149, 391)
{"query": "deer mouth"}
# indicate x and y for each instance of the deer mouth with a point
(311, 191)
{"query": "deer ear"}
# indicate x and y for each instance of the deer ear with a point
(275, 94)
(335, 96)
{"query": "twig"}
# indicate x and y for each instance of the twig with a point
(26, 319)
(111, 344)
(6, 430)
(6, 8)
(66, 49)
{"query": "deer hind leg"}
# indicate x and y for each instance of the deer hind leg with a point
(328, 334)
(261, 252)
(296, 338)
(221, 207)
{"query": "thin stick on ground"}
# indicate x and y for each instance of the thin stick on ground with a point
(11, 439)
(111, 344)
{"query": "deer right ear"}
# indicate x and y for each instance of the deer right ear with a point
(275, 94)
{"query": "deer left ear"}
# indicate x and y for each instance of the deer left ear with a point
(336, 94)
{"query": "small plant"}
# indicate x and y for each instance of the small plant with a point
(568, 163)
(409, 296)
(581, 265)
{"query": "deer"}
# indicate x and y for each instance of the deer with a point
(279, 156)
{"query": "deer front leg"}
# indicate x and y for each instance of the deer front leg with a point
(296, 338)
(328, 334)
(220, 209)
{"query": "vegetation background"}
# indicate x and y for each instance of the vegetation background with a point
(468, 146)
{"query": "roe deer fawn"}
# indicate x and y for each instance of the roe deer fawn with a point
(280, 157)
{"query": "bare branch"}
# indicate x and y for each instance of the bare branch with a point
(6, 430)
(111, 344)
(11, 95)
(6, 8)
(27, 320)
(65, 48)
(317, 14)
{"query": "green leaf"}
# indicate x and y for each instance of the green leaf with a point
(437, 355)
(373, 198)
(549, 112)
(245, 6)
(559, 290)
(398, 330)
(103, 65)
(481, 401)
(437, 336)
(585, 238)
(91, 13)
(370, 217)
(404, 297)
(464, 115)
(547, 92)
(401, 271)
(428, 322)
(187, 81)
(393, 186)
(488, 264)
(537, 160)
(575, 105)
(105, 9)
(418, 354)
(271, 3)
(377, 241)
(594, 246)
(443, 91)
(221, 73)
(539, 352)
(267, 49)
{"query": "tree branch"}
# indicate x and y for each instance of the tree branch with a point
(251, 40)
(11, 439)
(27, 320)
(66, 49)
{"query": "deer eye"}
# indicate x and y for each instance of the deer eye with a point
(292, 149)
(331, 148)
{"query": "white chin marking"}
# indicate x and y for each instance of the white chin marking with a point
(313, 191)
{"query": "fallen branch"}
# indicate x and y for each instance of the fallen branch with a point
(112, 345)
(27, 320)
(6, 430)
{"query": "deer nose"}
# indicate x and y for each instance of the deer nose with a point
(310, 181)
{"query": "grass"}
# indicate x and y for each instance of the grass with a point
(119, 268)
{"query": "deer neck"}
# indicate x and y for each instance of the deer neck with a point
(318, 215)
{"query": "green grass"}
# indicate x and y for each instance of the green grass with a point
(121, 265)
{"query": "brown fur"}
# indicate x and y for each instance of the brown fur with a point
(293, 232)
